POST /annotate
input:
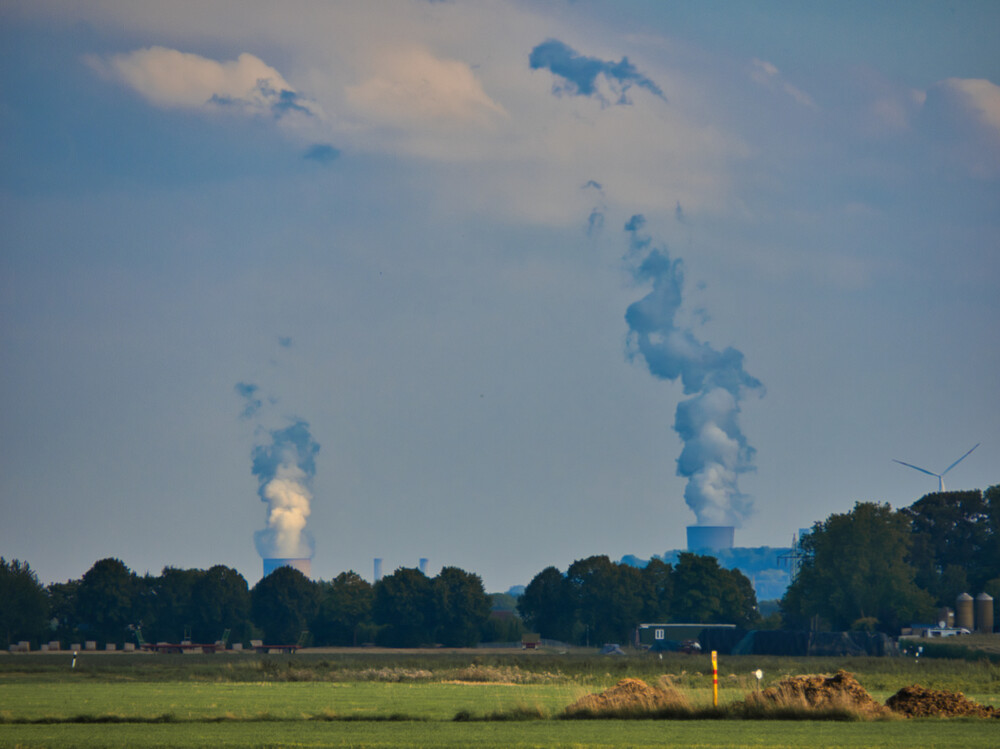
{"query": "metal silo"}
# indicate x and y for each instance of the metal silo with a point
(964, 612)
(984, 613)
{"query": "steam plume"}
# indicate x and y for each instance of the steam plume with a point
(284, 469)
(715, 450)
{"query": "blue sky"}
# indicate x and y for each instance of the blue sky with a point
(404, 223)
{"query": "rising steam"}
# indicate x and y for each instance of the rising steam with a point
(284, 469)
(715, 451)
(284, 465)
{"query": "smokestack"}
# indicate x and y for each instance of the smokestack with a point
(302, 565)
(715, 451)
(710, 537)
(423, 565)
(378, 568)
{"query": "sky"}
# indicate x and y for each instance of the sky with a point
(502, 285)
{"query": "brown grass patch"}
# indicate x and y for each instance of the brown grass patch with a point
(839, 696)
(631, 698)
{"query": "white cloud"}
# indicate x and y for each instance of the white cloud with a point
(169, 79)
(412, 86)
(766, 74)
(979, 95)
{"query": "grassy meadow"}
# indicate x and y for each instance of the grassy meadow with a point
(376, 698)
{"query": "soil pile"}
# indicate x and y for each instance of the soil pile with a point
(627, 696)
(818, 691)
(915, 701)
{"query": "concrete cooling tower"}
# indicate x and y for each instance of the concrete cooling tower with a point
(302, 565)
(710, 537)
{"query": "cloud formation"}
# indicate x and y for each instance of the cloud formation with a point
(412, 86)
(980, 96)
(172, 79)
(324, 153)
(580, 75)
(766, 74)
(251, 401)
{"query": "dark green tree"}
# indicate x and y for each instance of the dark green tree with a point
(23, 604)
(105, 600)
(704, 592)
(220, 600)
(63, 609)
(462, 607)
(283, 604)
(548, 605)
(404, 604)
(609, 600)
(856, 570)
(345, 604)
(950, 530)
(167, 612)
(657, 591)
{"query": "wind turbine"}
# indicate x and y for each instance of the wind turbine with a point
(939, 476)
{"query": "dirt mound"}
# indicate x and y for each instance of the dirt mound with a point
(819, 691)
(627, 696)
(915, 701)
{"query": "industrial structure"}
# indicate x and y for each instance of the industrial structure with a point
(710, 537)
(302, 565)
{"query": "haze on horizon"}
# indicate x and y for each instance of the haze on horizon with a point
(404, 224)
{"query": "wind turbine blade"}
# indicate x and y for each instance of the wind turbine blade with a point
(959, 460)
(918, 468)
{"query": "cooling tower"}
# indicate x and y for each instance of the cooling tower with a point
(302, 565)
(710, 537)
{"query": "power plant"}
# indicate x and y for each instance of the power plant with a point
(710, 537)
(302, 565)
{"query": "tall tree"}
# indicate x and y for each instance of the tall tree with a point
(657, 591)
(462, 607)
(220, 600)
(950, 529)
(705, 592)
(608, 596)
(283, 604)
(345, 603)
(548, 606)
(856, 570)
(105, 601)
(23, 604)
(404, 604)
(167, 612)
(63, 609)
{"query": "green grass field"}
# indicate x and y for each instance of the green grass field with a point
(406, 698)
(638, 734)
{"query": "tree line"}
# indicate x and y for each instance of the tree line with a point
(110, 603)
(872, 568)
(597, 601)
(876, 568)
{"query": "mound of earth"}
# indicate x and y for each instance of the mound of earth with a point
(625, 696)
(820, 691)
(915, 701)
